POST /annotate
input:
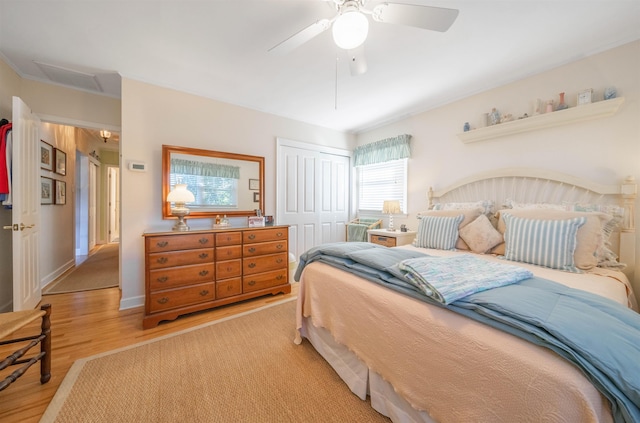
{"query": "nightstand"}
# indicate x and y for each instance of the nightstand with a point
(390, 238)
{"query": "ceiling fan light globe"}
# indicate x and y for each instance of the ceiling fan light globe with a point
(350, 29)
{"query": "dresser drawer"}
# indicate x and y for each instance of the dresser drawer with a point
(174, 298)
(230, 252)
(387, 241)
(228, 287)
(228, 238)
(262, 235)
(228, 269)
(178, 242)
(180, 258)
(179, 276)
(264, 248)
(264, 280)
(261, 264)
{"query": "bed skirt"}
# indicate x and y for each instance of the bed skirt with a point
(361, 380)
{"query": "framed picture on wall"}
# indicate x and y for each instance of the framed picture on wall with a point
(61, 192)
(256, 197)
(46, 190)
(46, 155)
(61, 162)
(254, 184)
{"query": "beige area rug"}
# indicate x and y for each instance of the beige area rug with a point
(98, 271)
(240, 369)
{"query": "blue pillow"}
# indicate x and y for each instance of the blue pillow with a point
(548, 243)
(438, 232)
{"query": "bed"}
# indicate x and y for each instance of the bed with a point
(422, 362)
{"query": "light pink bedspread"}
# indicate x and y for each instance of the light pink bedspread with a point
(452, 367)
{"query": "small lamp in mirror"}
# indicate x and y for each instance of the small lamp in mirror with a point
(179, 196)
(391, 207)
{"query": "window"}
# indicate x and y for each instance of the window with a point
(379, 182)
(209, 191)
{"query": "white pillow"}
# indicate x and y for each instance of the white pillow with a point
(480, 235)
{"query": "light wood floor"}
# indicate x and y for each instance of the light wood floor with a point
(88, 323)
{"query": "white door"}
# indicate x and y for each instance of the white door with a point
(114, 204)
(93, 200)
(312, 194)
(26, 207)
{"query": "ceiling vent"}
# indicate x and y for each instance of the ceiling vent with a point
(72, 78)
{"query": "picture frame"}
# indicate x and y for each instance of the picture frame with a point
(47, 190)
(61, 192)
(256, 197)
(585, 97)
(61, 162)
(46, 155)
(254, 184)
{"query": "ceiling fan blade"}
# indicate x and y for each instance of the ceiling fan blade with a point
(301, 37)
(357, 61)
(426, 17)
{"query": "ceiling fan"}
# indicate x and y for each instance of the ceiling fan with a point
(350, 26)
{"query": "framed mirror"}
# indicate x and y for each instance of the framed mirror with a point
(222, 183)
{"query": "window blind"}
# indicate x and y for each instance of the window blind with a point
(379, 182)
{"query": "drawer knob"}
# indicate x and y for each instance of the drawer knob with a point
(229, 268)
(163, 279)
(279, 261)
(252, 236)
(204, 292)
(279, 246)
(204, 273)
(204, 255)
(252, 250)
(279, 277)
(252, 265)
(162, 260)
(163, 300)
(251, 283)
(204, 240)
(279, 234)
(162, 243)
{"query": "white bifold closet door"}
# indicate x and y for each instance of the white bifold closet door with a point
(313, 192)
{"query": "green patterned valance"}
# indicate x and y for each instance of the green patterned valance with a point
(382, 151)
(191, 167)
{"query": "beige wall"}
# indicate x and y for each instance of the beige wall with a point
(604, 150)
(153, 116)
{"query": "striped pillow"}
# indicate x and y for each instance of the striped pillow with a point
(548, 243)
(439, 232)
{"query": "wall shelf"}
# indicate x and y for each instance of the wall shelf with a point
(596, 110)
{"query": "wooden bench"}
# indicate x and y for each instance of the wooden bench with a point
(13, 321)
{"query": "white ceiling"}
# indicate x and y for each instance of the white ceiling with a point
(218, 49)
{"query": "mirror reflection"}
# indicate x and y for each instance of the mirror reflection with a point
(222, 183)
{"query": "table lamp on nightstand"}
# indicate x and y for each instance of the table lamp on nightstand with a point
(179, 196)
(391, 207)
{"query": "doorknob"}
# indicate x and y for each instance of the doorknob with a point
(14, 227)
(22, 227)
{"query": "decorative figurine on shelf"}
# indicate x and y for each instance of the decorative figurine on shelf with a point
(466, 127)
(549, 106)
(537, 106)
(562, 105)
(609, 93)
(507, 117)
(494, 117)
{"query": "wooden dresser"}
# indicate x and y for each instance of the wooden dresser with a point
(197, 270)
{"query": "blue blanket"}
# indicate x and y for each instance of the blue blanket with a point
(599, 336)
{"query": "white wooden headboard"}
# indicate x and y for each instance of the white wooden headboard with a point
(545, 186)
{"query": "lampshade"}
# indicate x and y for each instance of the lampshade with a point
(105, 135)
(350, 29)
(391, 207)
(181, 194)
